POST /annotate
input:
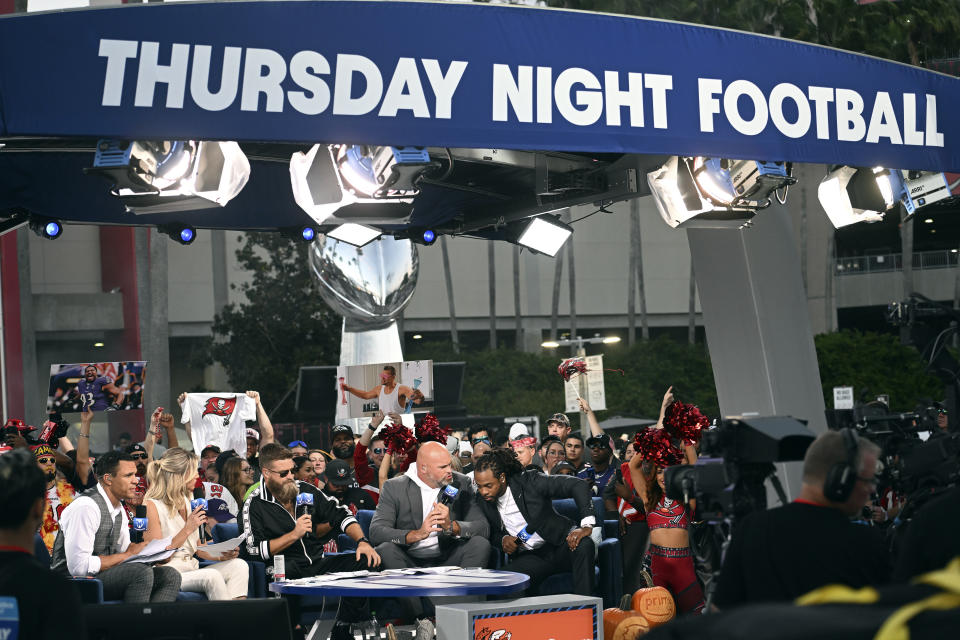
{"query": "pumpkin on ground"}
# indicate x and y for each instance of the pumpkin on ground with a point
(623, 625)
(655, 604)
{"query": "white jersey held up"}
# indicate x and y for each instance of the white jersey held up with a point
(219, 419)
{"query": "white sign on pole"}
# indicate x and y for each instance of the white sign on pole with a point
(596, 395)
(843, 397)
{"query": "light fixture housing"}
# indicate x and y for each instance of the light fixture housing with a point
(545, 234)
(715, 192)
(859, 194)
(48, 228)
(353, 183)
(356, 234)
(180, 233)
(172, 175)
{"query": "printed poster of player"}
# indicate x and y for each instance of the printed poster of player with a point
(401, 387)
(100, 386)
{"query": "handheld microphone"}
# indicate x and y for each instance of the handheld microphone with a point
(523, 535)
(139, 524)
(304, 504)
(199, 501)
(449, 495)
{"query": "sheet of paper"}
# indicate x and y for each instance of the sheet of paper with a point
(155, 551)
(216, 548)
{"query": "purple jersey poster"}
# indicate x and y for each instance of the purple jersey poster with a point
(96, 386)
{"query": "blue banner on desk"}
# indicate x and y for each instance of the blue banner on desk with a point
(465, 75)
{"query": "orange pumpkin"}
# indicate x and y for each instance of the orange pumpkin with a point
(655, 604)
(623, 625)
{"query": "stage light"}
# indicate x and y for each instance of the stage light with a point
(303, 233)
(429, 237)
(98, 345)
(417, 336)
(356, 234)
(545, 234)
(715, 192)
(181, 233)
(550, 344)
(922, 188)
(378, 172)
(928, 221)
(172, 175)
(46, 227)
(341, 182)
(611, 340)
(849, 194)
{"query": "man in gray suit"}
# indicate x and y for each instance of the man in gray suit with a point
(416, 525)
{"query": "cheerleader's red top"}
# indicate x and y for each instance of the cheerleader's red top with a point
(669, 514)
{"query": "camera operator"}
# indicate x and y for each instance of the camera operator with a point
(785, 552)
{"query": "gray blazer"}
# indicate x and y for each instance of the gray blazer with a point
(400, 510)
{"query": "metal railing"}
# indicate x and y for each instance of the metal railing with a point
(943, 259)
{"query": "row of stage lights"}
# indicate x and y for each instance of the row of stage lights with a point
(331, 182)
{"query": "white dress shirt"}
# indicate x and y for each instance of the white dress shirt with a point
(429, 547)
(514, 522)
(79, 523)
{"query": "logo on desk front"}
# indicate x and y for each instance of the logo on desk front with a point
(499, 634)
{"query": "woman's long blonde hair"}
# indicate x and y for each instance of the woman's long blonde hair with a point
(168, 476)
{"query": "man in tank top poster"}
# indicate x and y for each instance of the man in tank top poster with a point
(390, 387)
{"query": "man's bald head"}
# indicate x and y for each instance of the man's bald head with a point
(479, 449)
(434, 466)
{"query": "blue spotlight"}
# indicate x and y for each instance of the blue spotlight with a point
(182, 233)
(308, 234)
(46, 227)
(52, 229)
(429, 236)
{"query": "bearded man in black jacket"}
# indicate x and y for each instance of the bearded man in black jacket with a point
(519, 507)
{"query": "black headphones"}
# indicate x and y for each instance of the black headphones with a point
(843, 475)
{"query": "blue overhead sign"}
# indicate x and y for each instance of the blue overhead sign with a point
(465, 75)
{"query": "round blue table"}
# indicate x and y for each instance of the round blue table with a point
(389, 584)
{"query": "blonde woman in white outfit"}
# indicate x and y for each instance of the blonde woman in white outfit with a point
(172, 479)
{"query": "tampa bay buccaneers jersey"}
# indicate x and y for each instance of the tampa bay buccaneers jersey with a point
(219, 419)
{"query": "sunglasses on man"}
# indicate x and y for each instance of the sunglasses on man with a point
(379, 450)
(478, 440)
(282, 474)
(297, 443)
(46, 460)
(138, 456)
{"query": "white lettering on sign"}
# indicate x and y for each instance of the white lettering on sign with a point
(579, 95)
(749, 111)
(350, 84)
(266, 81)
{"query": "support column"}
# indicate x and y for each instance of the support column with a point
(156, 339)
(758, 328)
(12, 377)
(118, 271)
(34, 399)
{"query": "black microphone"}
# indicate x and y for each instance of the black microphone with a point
(199, 501)
(139, 524)
(304, 504)
(449, 494)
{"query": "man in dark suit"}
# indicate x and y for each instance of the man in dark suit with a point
(518, 505)
(417, 525)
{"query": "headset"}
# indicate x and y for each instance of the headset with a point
(843, 476)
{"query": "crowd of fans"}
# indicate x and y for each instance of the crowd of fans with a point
(93, 516)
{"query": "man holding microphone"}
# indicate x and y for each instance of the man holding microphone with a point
(294, 519)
